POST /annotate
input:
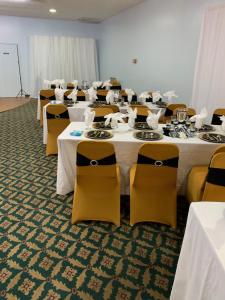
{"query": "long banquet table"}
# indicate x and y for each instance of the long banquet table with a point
(76, 114)
(193, 151)
(200, 271)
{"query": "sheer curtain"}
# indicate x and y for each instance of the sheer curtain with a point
(59, 57)
(209, 81)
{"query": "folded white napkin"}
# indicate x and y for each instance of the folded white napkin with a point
(156, 96)
(132, 115)
(59, 94)
(130, 93)
(107, 84)
(56, 82)
(114, 118)
(96, 84)
(92, 93)
(110, 97)
(144, 95)
(73, 95)
(75, 83)
(61, 83)
(169, 95)
(89, 116)
(200, 118)
(46, 84)
(153, 119)
(222, 118)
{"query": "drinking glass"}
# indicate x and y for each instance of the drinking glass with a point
(181, 115)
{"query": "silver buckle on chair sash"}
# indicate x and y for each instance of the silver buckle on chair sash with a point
(158, 163)
(93, 163)
(57, 116)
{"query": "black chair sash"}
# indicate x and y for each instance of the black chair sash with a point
(47, 98)
(83, 161)
(64, 115)
(116, 87)
(149, 99)
(53, 86)
(216, 176)
(168, 112)
(99, 119)
(134, 98)
(171, 162)
(70, 87)
(141, 118)
(80, 98)
(216, 120)
(101, 98)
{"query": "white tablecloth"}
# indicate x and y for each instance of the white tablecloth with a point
(76, 114)
(192, 152)
(200, 272)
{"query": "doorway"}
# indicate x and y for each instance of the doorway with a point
(9, 70)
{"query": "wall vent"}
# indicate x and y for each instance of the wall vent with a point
(89, 20)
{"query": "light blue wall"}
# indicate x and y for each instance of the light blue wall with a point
(163, 35)
(17, 30)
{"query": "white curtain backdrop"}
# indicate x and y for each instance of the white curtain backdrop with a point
(59, 57)
(209, 81)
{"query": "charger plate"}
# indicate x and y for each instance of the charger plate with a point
(142, 126)
(101, 125)
(98, 135)
(148, 136)
(212, 137)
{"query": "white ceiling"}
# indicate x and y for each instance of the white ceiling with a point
(98, 10)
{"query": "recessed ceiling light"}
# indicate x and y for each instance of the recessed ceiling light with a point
(52, 10)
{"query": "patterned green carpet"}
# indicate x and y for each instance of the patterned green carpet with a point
(42, 256)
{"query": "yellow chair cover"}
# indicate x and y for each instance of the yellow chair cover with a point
(215, 180)
(142, 112)
(57, 121)
(97, 188)
(153, 195)
(100, 112)
(197, 180)
(45, 97)
(171, 110)
(70, 86)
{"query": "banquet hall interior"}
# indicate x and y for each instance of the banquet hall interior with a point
(112, 149)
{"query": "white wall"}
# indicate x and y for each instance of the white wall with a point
(17, 30)
(163, 35)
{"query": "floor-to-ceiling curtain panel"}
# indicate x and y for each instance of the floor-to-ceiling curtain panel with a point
(209, 81)
(59, 57)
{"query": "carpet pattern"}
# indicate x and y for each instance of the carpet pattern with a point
(43, 256)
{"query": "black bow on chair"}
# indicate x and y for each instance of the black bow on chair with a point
(168, 112)
(216, 176)
(216, 119)
(83, 161)
(171, 162)
(64, 115)
(47, 98)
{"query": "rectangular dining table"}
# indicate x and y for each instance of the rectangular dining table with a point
(76, 113)
(200, 273)
(193, 151)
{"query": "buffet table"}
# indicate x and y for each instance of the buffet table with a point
(76, 114)
(201, 267)
(193, 151)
